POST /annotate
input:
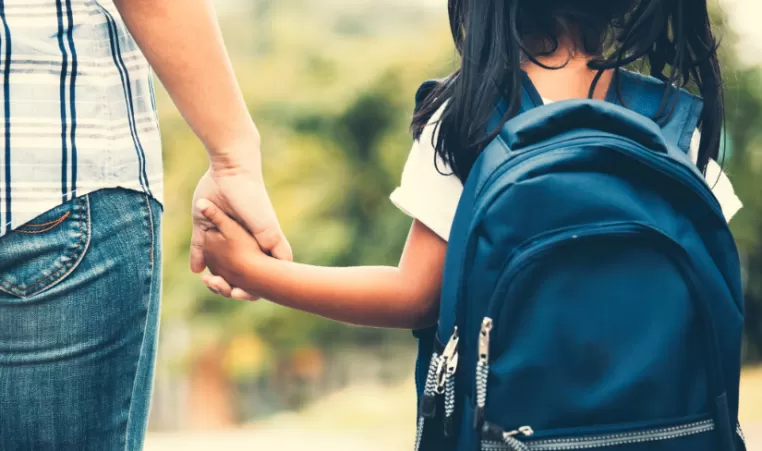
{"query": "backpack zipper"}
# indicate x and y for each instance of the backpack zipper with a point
(427, 409)
(482, 372)
(440, 379)
(604, 440)
(448, 362)
(446, 384)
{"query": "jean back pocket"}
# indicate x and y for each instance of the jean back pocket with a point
(42, 253)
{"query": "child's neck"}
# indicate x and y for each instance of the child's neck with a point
(572, 80)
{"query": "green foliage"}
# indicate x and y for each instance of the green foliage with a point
(332, 91)
(333, 105)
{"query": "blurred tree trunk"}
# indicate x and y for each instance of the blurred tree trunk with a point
(211, 402)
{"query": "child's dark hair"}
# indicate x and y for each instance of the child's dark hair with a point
(493, 37)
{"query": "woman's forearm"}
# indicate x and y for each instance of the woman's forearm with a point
(182, 41)
(369, 296)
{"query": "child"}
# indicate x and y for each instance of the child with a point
(569, 49)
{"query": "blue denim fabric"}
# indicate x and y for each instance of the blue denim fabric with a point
(79, 311)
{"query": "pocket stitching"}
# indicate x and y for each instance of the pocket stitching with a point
(48, 225)
(65, 269)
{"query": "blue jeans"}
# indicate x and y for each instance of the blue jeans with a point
(79, 311)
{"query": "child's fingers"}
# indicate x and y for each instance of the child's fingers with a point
(240, 295)
(221, 221)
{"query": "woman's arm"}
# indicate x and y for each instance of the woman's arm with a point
(403, 297)
(182, 41)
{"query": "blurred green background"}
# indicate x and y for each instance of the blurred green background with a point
(330, 84)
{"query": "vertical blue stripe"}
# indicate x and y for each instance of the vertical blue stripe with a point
(117, 55)
(7, 112)
(73, 100)
(62, 95)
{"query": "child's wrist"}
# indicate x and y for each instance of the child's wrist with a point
(253, 273)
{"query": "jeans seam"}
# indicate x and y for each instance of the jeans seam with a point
(66, 269)
(145, 327)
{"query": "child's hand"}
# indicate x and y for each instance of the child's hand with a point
(228, 250)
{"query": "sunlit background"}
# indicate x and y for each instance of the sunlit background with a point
(330, 84)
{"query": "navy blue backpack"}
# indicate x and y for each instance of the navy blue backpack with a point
(592, 293)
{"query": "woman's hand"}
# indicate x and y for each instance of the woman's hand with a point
(238, 189)
(234, 184)
(183, 42)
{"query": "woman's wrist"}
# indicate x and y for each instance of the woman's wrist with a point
(238, 155)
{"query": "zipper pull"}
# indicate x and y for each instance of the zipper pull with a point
(449, 355)
(484, 340)
(526, 431)
(452, 366)
(482, 372)
(494, 433)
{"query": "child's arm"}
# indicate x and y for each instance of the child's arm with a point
(403, 297)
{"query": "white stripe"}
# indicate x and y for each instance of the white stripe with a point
(102, 60)
(37, 122)
(94, 74)
(90, 80)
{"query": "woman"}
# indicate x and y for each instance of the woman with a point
(80, 214)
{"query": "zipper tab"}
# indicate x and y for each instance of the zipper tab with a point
(526, 431)
(448, 362)
(495, 433)
(452, 345)
(484, 340)
(452, 366)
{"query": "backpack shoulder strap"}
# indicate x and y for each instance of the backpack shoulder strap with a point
(530, 99)
(644, 95)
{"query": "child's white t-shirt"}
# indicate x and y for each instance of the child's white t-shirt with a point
(430, 197)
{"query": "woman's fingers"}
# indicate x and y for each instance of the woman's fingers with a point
(217, 284)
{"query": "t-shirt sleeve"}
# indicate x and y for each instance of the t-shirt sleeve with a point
(719, 182)
(428, 192)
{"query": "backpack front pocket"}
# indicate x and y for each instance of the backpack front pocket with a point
(578, 352)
